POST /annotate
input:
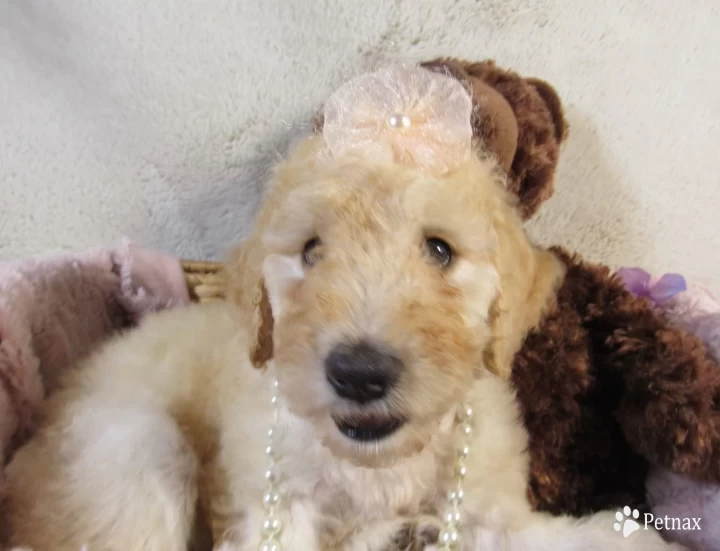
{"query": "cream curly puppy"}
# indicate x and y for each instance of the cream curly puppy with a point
(382, 299)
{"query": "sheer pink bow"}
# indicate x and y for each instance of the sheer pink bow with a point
(420, 117)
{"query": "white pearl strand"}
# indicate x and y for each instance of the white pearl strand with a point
(272, 525)
(450, 536)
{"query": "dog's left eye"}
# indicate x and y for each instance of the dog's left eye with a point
(439, 251)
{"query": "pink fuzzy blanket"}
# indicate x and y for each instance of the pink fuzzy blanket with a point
(53, 311)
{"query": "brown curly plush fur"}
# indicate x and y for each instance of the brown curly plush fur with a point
(541, 126)
(607, 387)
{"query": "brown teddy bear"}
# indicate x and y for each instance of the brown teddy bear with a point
(606, 386)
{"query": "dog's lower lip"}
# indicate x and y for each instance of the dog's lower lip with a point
(369, 432)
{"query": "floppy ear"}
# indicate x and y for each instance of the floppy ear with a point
(246, 290)
(261, 350)
(529, 278)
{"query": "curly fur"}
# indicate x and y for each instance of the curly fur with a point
(607, 387)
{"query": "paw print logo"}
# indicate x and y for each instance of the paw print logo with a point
(626, 521)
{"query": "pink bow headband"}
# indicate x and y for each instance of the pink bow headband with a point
(418, 117)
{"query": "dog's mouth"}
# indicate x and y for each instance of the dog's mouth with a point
(368, 428)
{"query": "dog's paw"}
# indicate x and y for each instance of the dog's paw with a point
(416, 535)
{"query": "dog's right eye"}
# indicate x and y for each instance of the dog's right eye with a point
(311, 253)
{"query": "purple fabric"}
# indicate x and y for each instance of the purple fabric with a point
(640, 283)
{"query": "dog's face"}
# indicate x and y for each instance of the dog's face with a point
(381, 282)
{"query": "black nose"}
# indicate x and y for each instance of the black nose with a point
(361, 372)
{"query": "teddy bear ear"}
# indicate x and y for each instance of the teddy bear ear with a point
(541, 130)
(493, 121)
(552, 100)
(536, 133)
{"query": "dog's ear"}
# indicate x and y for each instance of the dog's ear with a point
(529, 278)
(261, 350)
(247, 291)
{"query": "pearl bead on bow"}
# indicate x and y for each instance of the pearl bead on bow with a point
(398, 120)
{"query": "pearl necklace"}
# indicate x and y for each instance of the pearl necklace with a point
(450, 536)
(272, 525)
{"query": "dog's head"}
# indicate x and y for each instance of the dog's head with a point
(380, 293)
